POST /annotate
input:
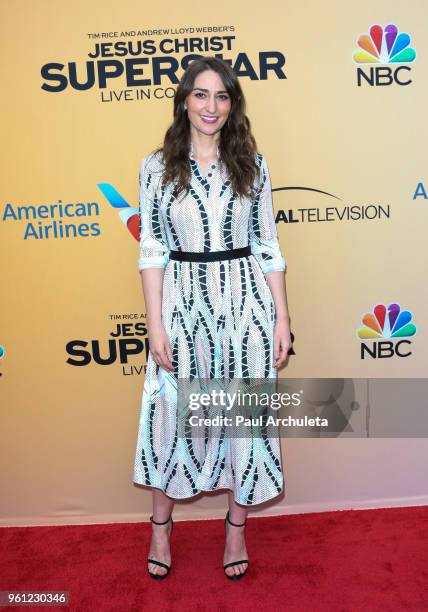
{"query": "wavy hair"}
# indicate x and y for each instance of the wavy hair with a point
(237, 145)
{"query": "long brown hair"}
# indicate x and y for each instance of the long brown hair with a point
(237, 145)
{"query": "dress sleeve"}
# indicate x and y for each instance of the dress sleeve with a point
(263, 235)
(154, 250)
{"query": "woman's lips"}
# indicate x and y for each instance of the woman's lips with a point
(206, 119)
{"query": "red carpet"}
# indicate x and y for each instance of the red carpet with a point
(368, 560)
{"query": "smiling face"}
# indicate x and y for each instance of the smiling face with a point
(208, 104)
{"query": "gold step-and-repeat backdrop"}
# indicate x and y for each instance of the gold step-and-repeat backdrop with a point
(337, 96)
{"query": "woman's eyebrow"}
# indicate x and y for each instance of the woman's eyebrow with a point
(202, 89)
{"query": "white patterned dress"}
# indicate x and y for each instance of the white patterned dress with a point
(219, 317)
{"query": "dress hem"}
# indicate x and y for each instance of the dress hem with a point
(209, 491)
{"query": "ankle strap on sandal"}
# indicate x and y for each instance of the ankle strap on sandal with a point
(234, 524)
(156, 522)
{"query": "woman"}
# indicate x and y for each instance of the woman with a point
(213, 280)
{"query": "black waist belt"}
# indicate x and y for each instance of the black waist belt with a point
(210, 255)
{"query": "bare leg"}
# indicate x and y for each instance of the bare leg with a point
(159, 547)
(235, 548)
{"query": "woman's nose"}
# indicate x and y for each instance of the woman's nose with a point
(212, 105)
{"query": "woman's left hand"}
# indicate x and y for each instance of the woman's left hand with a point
(281, 342)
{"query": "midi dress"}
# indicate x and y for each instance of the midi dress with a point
(219, 317)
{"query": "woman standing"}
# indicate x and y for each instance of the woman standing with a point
(214, 287)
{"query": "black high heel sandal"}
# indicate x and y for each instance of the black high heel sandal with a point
(167, 567)
(232, 563)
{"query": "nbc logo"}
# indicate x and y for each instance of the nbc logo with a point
(383, 325)
(384, 45)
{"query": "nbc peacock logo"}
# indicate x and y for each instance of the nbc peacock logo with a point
(382, 48)
(388, 327)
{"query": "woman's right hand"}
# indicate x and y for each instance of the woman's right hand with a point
(160, 347)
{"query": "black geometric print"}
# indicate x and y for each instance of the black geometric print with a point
(219, 317)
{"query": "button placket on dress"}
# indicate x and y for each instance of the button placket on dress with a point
(213, 212)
